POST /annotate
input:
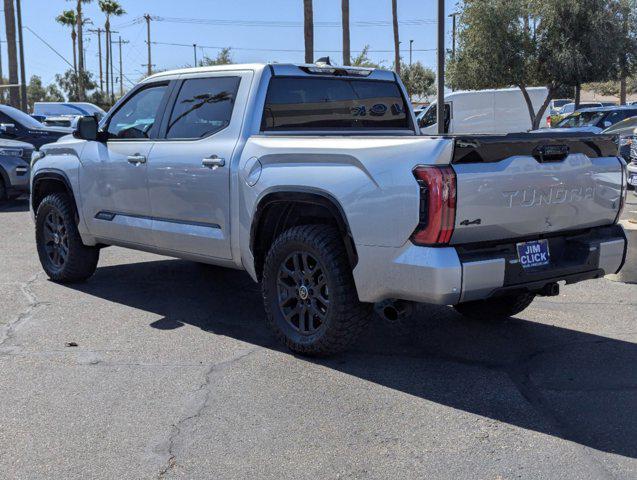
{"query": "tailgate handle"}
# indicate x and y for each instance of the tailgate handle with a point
(551, 153)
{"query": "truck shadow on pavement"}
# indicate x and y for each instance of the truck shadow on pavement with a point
(564, 383)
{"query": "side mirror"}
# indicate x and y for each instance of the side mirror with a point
(86, 128)
(7, 127)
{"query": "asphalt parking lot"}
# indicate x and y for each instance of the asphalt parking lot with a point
(161, 368)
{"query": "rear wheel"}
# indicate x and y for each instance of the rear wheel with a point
(495, 309)
(308, 290)
(62, 254)
(3, 191)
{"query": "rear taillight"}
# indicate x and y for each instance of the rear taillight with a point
(437, 205)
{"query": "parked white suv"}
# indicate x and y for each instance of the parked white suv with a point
(314, 180)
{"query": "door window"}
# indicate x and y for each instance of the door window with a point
(203, 107)
(135, 118)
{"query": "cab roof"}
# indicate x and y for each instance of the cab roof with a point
(285, 69)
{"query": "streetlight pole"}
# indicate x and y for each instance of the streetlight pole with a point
(411, 43)
(453, 34)
(147, 17)
(441, 67)
(194, 49)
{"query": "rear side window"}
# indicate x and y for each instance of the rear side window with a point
(203, 107)
(299, 103)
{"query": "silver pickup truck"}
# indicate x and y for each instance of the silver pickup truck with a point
(314, 180)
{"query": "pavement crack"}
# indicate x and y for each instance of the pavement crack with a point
(8, 331)
(198, 406)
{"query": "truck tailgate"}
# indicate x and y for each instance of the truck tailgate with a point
(530, 185)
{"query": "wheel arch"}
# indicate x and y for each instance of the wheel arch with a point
(48, 181)
(283, 208)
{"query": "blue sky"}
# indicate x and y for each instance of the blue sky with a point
(251, 43)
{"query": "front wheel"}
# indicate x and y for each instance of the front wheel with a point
(308, 290)
(62, 254)
(494, 309)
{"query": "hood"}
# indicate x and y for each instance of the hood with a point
(60, 130)
(5, 142)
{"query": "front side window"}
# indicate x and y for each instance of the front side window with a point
(135, 118)
(203, 107)
(300, 103)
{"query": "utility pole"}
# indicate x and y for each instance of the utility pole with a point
(411, 44)
(23, 76)
(441, 67)
(194, 49)
(99, 56)
(110, 51)
(121, 67)
(150, 63)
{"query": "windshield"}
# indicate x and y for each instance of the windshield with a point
(22, 118)
(624, 127)
(582, 119)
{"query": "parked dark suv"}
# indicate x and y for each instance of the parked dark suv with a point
(17, 125)
(15, 159)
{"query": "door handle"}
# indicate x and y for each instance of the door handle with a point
(213, 162)
(136, 159)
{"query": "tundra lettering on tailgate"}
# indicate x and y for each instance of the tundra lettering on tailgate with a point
(535, 197)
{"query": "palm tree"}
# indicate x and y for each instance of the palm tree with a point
(347, 58)
(9, 19)
(110, 8)
(308, 16)
(394, 13)
(69, 19)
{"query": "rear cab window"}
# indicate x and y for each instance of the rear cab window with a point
(326, 103)
(203, 107)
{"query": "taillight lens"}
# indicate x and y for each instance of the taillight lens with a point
(437, 205)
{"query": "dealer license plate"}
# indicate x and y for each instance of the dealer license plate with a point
(534, 254)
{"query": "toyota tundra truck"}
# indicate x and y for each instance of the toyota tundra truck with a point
(314, 179)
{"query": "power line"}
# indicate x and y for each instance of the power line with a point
(273, 23)
(48, 45)
(189, 45)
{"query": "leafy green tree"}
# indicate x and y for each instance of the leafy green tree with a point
(68, 82)
(37, 92)
(552, 43)
(224, 57)
(363, 60)
(419, 80)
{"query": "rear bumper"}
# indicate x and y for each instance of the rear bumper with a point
(448, 276)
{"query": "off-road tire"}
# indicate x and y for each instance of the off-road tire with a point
(345, 317)
(495, 309)
(81, 261)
